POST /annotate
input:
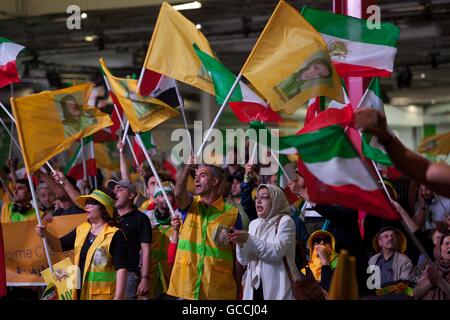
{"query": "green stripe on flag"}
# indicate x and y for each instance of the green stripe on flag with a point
(223, 78)
(4, 40)
(322, 145)
(374, 153)
(350, 28)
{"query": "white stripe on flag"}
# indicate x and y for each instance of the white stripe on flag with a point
(365, 54)
(341, 172)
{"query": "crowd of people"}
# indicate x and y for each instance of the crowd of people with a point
(231, 233)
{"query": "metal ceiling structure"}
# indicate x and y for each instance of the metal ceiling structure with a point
(232, 27)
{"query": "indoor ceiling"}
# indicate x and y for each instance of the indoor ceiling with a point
(55, 53)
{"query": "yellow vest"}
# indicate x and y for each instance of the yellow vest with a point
(27, 216)
(99, 276)
(203, 270)
(159, 268)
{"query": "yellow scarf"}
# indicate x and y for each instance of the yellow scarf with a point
(316, 265)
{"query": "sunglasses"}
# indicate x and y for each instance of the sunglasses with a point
(92, 202)
(321, 239)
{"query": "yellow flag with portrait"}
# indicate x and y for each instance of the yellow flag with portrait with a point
(171, 51)
(143, 113)
(50, 121)
(290, 62)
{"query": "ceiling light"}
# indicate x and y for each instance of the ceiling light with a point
(188, 6)
(84, 15)
(198, 26)
(422, 75)
(90, 38)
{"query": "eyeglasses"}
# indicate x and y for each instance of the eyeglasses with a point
(321, 239)
(389, 236)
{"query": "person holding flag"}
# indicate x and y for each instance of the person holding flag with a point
(100, 250)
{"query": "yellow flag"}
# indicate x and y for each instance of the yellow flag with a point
(290, 62)
(435, 145)
(50, 121)
(143, 113)
(343, 284)
(171, 53)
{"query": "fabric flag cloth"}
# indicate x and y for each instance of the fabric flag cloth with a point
(315, 106)
(50, 293)
(337, 113)
(149, 143)
(8, 55)
(245, 104)
(2, 266)
(370, 147)
(335, 174)
(170, 50)
(355, 49)
(170, 168)
(159, 86)
(143, 113)
(75, 166)
(50, 121)
(290, 63)
(435, 145)
(107, 155)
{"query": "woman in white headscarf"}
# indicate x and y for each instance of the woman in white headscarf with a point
(270, 238)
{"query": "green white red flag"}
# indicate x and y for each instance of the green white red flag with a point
(335, 174)
(371, 148)
(245, 104)
(355, 49)
(8, 55)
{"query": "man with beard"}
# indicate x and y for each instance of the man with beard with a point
(137, 230)
(204, 267)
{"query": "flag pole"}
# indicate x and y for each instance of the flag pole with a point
(281, 167)
(83, 159)
(216, 119)
(121, 123)
(155, 173)
(10, 143)
(254, 153)
(36, 209)
(92, 150)
(184, 118)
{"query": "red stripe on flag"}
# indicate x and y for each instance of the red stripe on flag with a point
(374, 203)
(77, 172)
(345, 70)
(140, 156)
(252, 111)
(170, 168)
(331, 116)
(8, 74)
(150, 80)
(313, 110)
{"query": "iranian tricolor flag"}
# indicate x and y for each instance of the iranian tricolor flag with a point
(335, 174)
(245, 104)
(8, 54)
(75, 166)
(371, 148)
(336, 113)
(149, 143)
(355, 49)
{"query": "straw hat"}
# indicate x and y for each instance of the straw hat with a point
(401, 238)
(101, 197)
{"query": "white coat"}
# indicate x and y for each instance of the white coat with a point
(274, 278)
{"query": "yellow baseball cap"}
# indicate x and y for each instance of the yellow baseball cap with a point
(101, 197)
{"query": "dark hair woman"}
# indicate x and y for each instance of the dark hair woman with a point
(100, 249)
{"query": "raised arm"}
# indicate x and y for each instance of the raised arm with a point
(180, 192)
(436, 176)
(71, 190)
(123, 162)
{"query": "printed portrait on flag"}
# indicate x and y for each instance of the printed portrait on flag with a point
(74, 117)
(317, 70)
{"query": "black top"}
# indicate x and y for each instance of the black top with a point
(137, 229)
(118, 248)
